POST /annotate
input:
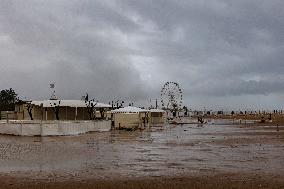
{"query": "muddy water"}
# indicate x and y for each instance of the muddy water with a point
(162, 151)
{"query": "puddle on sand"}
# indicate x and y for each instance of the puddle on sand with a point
(167, 151)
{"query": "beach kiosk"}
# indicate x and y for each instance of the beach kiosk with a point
(157, 116)
(130, 118)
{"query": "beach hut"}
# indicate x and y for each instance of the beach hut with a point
(130, 117)
(157, 116)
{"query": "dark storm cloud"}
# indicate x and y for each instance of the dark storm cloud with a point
(215, 49)
(55, 42)
(220, 42)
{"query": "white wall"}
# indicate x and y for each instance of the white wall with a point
(52, 128)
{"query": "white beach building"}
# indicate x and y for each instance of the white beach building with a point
(129, 117)
(68, 110)
(73, 119)
(132, 117)
(157, 116)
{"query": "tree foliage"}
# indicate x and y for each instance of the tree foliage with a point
(56, 107)
(90, 104)
(30, 107)
(8, 98)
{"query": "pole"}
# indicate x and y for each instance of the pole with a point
(66, 112)
(41, 105)
(41, 119)
(23, 112)
(45, 114)
(156, 103)
(76, 113)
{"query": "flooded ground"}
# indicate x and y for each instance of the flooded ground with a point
(169, 151)
(216, 155)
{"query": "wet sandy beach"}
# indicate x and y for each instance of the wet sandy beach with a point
(202, 156)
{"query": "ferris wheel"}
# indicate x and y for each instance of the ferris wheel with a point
(171, 96)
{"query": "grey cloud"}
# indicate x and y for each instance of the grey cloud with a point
(76, 58)
(127, 49)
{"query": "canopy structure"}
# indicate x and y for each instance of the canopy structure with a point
(68, 103)
(129, 109)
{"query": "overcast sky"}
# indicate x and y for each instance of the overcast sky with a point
(224, 54)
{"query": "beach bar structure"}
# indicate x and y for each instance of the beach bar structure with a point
(68, 110)
(157, 116)
(130, 117)
(73, 118)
